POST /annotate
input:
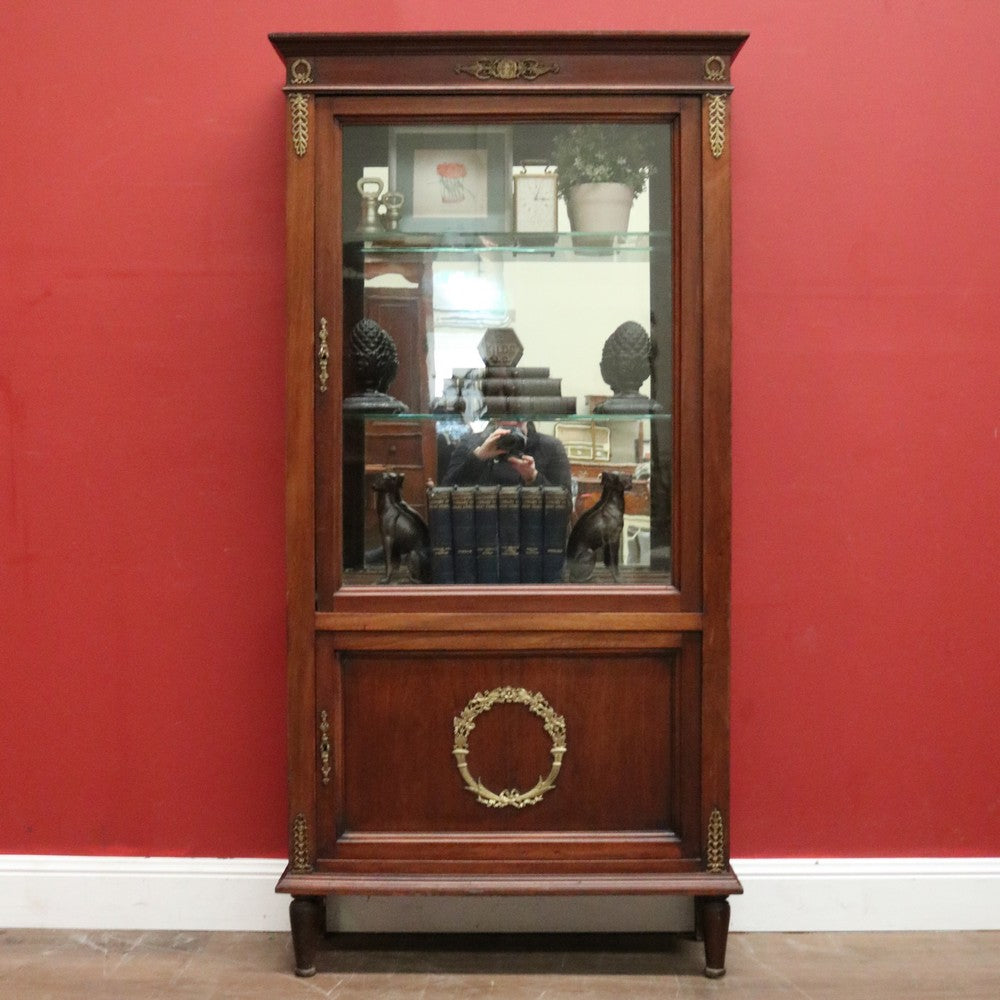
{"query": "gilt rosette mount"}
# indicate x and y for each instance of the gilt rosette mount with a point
(374, 362)
(555, 726)
(626, 363)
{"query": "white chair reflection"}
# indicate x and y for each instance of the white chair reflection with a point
(635, 540)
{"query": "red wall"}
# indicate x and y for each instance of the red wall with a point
(141, 301)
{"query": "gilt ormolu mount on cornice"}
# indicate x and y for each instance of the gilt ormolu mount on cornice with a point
(507, 69)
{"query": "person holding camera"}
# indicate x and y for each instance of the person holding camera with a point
(509, 453)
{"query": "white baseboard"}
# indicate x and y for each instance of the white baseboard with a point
(100, 893)
(868, 894)
(848, 894)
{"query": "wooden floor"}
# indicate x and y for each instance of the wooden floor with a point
(60, 965)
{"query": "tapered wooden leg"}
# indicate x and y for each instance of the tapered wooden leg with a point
(715, 927)
(307, 915)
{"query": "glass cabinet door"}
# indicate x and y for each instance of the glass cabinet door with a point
(508, 353)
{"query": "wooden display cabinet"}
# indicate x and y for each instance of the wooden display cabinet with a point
(520, 738)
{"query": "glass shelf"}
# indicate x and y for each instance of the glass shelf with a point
(505, 246)
(458, 418)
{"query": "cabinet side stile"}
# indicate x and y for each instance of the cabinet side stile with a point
(299, 465)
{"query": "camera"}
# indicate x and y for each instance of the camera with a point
(513, 443)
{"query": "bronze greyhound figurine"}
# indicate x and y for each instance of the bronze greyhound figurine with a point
(599, 529)
(405, 536)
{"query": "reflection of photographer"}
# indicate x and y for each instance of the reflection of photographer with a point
(511, 453)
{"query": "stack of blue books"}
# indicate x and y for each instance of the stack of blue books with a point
(498, 534)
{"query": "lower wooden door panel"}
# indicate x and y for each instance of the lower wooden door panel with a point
(508, 757)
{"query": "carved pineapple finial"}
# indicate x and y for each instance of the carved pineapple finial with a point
(625, 366)
(375, 362)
